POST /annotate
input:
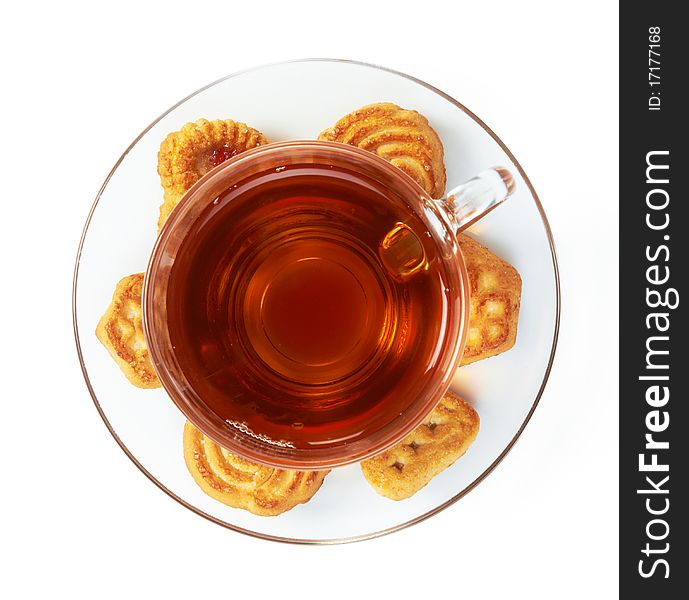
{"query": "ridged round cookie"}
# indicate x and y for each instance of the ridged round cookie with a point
(398, 135)
(120, 330)
(240, 483)
(188, 154)
(495, 299)
(443, 437)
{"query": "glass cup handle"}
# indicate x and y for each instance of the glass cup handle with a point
(401, 250)
(474, 199)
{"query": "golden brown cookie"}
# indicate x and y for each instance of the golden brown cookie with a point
(120, 331)
(443, 437)
(243, 484)
(188, 154)
(400, 136)
(496, 289)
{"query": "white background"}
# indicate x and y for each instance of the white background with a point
(82, 80)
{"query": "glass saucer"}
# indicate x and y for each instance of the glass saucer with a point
(297, 100)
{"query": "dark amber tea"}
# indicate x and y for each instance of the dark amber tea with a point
(306, 305)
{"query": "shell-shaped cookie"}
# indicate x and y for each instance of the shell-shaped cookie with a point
(443, 437)
(240, 483)
(188, 154)
(120, 330)
(398, 135)
(495, 299)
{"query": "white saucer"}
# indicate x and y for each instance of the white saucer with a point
(297, 100)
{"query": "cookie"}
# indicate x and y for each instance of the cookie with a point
(402, 137)
(240, 483)
(120, 331)
(495, 298)
(188, 154)
(444, 436)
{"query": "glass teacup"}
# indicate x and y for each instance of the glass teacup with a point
(306, 303)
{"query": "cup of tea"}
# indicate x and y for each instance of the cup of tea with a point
(306, 303)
